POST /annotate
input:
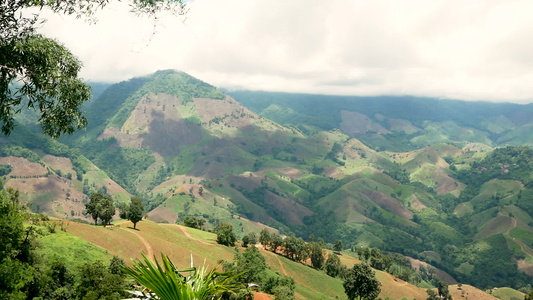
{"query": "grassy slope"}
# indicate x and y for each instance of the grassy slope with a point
(507, 293)
(171, 239)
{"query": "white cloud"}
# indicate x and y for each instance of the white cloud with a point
(463, 49)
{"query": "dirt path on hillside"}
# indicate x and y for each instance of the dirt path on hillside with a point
(188, 235)
(149, 250)
(277, 258)
(514, 225)
(522, 247)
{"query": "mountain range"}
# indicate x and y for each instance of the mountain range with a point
(444, 182)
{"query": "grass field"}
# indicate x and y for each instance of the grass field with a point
(506, 293)
(70, 248)
(89, 242)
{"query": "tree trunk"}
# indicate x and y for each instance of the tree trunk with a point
(134, 225)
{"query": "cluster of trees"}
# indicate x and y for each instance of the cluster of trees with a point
(394, 263)
(252, 265)
(294, 248)
(101, 206)
(361, 283)
(133, 212)
(442, 292)
(225, 234)
(26, 276)
(194, 222)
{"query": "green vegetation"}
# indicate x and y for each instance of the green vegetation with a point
(133, 212)
(361, 283)
(100, 206)
(449, 205)
(225, 234)
(167, 282)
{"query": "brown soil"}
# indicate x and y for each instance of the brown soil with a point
(23, 167)
(123, 139)
(163, 214)
(113, 187)
(40, 189)
(354, 123)
(186, 188)
(403, 125)
(249, 183)
(60, 163)
(149, 251)
(291, 211)
(470, 293)
(416, 204)
(332, 172)
(261, 296)
(525, 267)
(232, 113)
(441, 275)
(289, 172)
(389, 203)
(446, 184)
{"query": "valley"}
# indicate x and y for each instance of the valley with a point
(448, 184)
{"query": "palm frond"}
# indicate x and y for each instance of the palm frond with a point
(169, 283)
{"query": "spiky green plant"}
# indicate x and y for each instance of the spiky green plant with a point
(169, 283)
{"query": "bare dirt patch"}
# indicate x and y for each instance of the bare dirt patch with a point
(248, 183)
(162, 214)
(60, 163)
(525, 267)
(188, 188)
(446, 184)
(397, 288)
(403, 125)
(470, 293)
(291, 211)
(113, 187)
(416, 204)
(441, 275)
(388, 203)
(124, 139)
(175, 182)
(291, 173)
(53, 195)
(332, 172)
(228, 110)
(261, 296)
(354, 123)
(23, 167)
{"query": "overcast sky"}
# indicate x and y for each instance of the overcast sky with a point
(469, 50)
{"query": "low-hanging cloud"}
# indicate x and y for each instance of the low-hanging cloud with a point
(471, 50)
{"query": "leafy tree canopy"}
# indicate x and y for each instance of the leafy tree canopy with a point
(135, 211)
(361, 283)
(16, 271)
(100, 206)
(225, 234)
(40, 73)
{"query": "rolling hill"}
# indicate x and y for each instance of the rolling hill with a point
(419, 177)
(180, 242)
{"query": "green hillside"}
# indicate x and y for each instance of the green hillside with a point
(407, 175)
